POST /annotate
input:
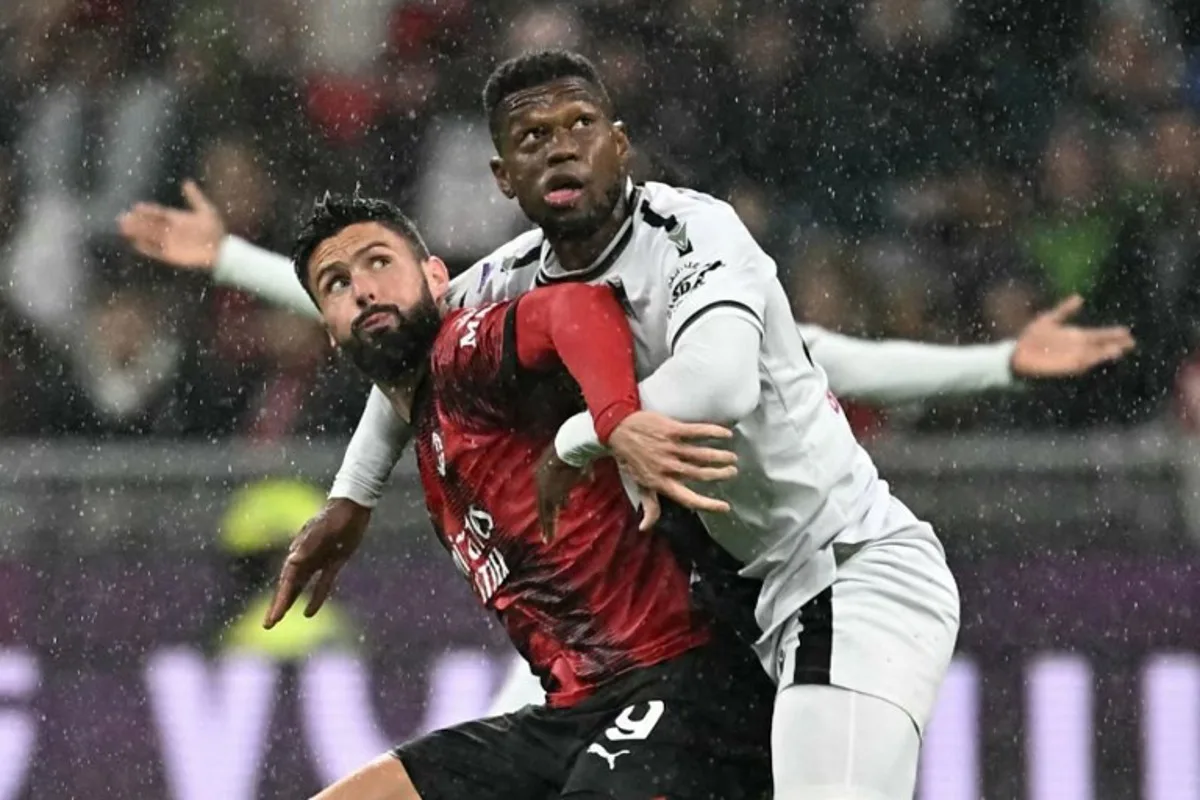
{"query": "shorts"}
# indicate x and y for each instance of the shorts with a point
(693, 728)
(886, 627)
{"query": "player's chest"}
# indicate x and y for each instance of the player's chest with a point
(479, 494)
(643, 295)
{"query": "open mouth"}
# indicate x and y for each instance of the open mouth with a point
(563, 191)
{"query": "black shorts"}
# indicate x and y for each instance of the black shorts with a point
(694, 728)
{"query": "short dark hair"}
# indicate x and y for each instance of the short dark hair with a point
(534, 69)
(334, 212)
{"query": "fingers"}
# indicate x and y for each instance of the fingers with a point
(292, 581)
(1066, 309)
(196, 199)
(699, 430)
(651, 510)
(146, 226)
(547, 517)
(688, 498)
(1114, 337)
(691, 472)
(322, 588)
(705, 456)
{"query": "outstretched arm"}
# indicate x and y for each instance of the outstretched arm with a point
(898, 371)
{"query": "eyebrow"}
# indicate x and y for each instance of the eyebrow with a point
(323, 271)
(536, 113)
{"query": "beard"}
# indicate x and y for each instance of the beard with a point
(587, 223)
(388, 356)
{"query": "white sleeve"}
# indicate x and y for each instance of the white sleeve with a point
(376, 446)
(520, 688)
(898, 371)
(711, 377)
(262, 273)
(726, 269)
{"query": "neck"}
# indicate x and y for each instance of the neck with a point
(577, 254)
(402, 393)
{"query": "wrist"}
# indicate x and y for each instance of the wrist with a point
(576, 443)
(611, 418)
(228, 251)
(1007, 360)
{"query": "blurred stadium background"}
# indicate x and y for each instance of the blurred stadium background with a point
(927, 169)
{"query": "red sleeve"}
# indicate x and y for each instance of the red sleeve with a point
(584, 328)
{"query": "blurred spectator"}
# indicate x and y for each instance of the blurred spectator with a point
(294, 388)
(964, 163)
(255, 533)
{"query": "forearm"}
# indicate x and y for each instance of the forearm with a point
(373, 451)
(899, 371)
(262, 273)
(584, 329)
(711, 377)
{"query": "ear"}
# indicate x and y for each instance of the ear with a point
(621, 138)
(437, 275)
(332, 341)
(500, 173)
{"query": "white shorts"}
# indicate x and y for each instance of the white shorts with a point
(885, 628)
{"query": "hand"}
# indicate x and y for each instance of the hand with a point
(187, 239)
(319, 551)
(658, 454)
(555, 479)
(1050, 348)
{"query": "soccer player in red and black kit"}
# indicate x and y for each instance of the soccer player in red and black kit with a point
(643, 702)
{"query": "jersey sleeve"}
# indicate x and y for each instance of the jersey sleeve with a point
(725, 268)
(576, 326)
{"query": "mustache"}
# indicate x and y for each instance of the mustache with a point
(386, 308)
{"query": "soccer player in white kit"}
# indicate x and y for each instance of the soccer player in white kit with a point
(858, 612)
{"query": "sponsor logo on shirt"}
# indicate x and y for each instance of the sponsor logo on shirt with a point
(687, 278)
(482, 564)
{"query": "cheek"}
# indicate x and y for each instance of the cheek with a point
(339, 314)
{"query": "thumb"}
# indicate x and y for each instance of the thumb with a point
(1066, 309)
(650, 510)
(196, 200)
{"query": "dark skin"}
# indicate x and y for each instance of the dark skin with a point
(561, 136)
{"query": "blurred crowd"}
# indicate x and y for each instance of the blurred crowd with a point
(927, 169)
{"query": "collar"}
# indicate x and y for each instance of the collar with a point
(549, 270)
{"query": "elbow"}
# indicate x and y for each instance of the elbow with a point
(739, 401)
(733, 401)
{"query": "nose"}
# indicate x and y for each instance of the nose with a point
(363, 286)
(563, 147)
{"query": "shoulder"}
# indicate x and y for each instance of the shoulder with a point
(488, 277)
(685, 205)
(686, 217)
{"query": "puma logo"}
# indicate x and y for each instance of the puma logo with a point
(611, 758)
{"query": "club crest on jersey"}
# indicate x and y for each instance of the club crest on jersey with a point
(439, 452)
(687, 278)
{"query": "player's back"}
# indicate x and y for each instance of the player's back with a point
(599, 600)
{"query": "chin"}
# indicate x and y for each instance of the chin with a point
(577, 222)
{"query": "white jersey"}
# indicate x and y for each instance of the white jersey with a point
(803, 479)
